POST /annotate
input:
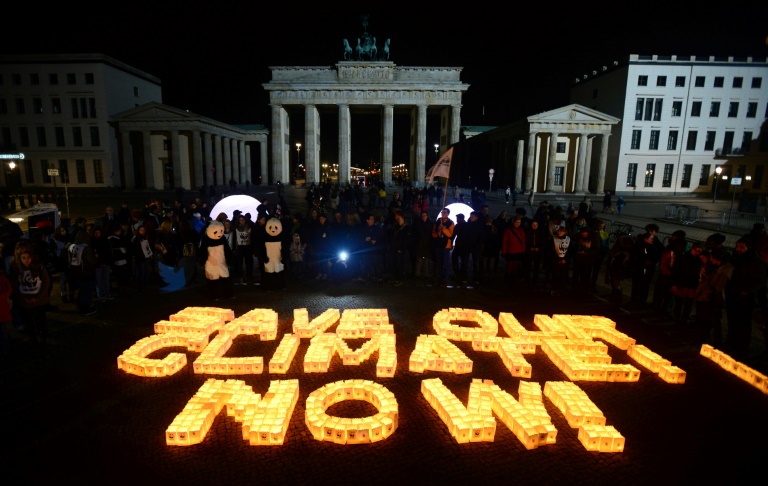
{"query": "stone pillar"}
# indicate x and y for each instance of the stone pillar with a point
(581, 163)
(227, 152)
(235, 160)
(129, 172)
(421, 144)
(210, 168)
(153, 173)
(519, 165)
(219, 174)
(387, 128)
(278, 144)
(345, 146)
(312, 143)
(588, 165)
(455, 124)
(245, 165)
(551, 158)
(603, 163)
(529, 163)
(197, 158)
(264, 164)
(180, 171)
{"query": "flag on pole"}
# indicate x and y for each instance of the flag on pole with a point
(442, 168)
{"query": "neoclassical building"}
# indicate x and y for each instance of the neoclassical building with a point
(561, 150)
(163, 147)
(373, 86)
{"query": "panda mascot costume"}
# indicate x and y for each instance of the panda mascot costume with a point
(273, 278)
(216, 256)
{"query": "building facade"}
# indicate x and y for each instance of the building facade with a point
(56, 110)
(162, 147)
(379, 87)
(682, 117)
(559, 151)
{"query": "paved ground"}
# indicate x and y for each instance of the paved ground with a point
(73, 417)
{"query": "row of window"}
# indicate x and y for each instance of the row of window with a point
(81, 107)
(63, 166)
(41, 134)
(649, 109)
(685, 181)
(700, 81)
(693, 135)
(53, 79)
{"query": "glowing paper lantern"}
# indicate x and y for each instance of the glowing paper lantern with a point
(341, 430)
(228, 205)
(742, 371)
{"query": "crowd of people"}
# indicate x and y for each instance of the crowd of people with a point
(406, 237)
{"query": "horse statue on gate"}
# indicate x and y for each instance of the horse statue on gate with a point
(386, 50)
(347, 50)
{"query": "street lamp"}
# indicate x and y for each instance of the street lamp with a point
(490, 179)
(718, 171)
(298, 155)
(437, 148)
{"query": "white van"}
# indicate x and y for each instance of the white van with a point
(37, 217)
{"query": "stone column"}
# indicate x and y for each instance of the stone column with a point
(455, 124)
(312, 143)
(603, 163)
(421, 144)
(529, 163)
(210, 168)
(551, 158)
(245, 166)
(580, 163)
(180, 171)
(129, 174)
(345, 146)
(264, 164)
(235, 160)
(197, 158)
(278, 144)
(519, 165)
(219, 174)
(150, 173)
(588, 166)
(387, 128)
(227, 159)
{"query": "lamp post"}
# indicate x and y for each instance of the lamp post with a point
(437, 148)
(298, 157)
(718, 171)
(490, 180)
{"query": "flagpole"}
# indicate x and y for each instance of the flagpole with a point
(445, 191)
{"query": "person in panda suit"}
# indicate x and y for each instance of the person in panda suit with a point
(273, 278)
(216, 257)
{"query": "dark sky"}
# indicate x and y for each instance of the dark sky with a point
(213, 57)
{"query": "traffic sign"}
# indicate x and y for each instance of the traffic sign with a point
(736, 181)
(53, 172)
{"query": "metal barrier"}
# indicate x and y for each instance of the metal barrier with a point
(684, 213)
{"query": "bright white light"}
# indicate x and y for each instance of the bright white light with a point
(228, 205)
(457, 208)
(343, 256)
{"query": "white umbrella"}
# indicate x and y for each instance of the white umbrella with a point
(228, 205)
(457, 208)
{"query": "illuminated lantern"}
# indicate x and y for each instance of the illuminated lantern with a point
(582, 413)
(341, 430)
(742, 371)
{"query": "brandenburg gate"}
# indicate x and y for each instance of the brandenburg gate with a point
(353, 85)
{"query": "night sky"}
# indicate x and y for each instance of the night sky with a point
(213, 57)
